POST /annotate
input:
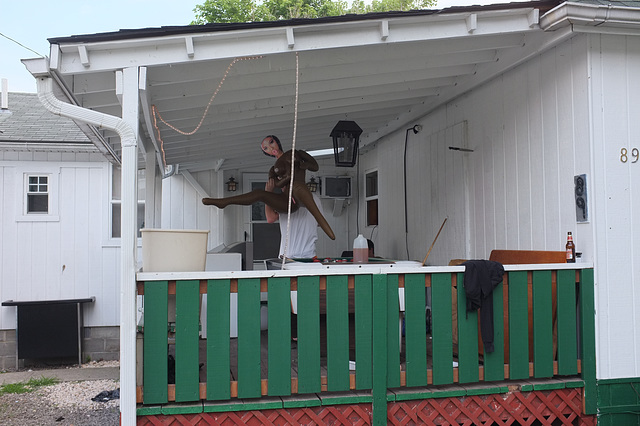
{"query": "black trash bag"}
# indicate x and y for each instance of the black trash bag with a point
(105, 396)
(171, 370)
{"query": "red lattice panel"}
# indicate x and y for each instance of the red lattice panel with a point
(546, 408)
(329, 415)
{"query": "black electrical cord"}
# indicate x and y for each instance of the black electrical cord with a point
(373, 229)
(358, 196)
(415, 130)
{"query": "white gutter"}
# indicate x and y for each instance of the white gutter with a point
(51, 146)
(56, 106)
(128, 240)
(39, 67)
(589, 15)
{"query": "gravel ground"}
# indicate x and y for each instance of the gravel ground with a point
(66, 403)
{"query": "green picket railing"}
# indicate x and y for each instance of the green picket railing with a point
(426, 360)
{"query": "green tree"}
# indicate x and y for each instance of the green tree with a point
(398, 5)
(225, 11)
(288, 9)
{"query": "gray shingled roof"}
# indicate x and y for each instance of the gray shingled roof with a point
(629, 3)
(27, 120)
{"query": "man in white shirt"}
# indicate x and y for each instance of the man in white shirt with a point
(303, 231)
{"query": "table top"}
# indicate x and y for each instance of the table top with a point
(47, 302)
(336, 262)
(344, 261)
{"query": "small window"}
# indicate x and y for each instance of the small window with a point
(116, 202)
(371, 197)
(371, 189)
(38, 195)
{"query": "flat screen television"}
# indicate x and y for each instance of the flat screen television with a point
(335, 187)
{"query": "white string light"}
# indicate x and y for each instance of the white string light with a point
(157, 115)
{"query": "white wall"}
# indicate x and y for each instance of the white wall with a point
(182, 206)
(530, 135)
(530, 132)
(615, 94)
(68, 253)
(435, 191)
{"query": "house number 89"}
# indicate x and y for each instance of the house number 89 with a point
(624, 155)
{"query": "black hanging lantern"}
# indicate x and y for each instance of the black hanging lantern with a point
(346, 135)
(232, 185)
(312, 185)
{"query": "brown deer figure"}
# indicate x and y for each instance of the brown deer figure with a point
(281, 173)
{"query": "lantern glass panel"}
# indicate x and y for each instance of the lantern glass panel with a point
(346, 150)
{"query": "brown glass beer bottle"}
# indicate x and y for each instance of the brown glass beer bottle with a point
(570, 249)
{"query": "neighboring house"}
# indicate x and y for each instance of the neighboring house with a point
(55, 225)
(527, 129)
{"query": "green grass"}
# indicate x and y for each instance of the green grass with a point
(30, 386)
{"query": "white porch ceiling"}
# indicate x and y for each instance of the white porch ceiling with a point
(382, 71)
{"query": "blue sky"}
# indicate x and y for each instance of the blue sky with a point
(32, 22)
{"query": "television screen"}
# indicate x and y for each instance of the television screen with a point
(336, 186)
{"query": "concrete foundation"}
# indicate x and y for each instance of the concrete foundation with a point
(98, 343)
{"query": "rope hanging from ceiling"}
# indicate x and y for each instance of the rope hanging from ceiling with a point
(293, 152)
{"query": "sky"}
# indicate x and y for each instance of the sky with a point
(25, 25)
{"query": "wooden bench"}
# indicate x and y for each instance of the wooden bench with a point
(519, 257)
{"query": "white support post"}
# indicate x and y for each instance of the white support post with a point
(151, 203)
(127, 129)
(218, 214)
(130, 114)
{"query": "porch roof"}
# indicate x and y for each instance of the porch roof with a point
(382, 70)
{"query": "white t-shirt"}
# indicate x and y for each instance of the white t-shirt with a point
(303, 233)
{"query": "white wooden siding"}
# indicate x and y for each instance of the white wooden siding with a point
(68, 255)
(529, 132)
(182, 206)
(615, 93)
(436, 190)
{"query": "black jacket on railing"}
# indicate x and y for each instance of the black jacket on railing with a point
(480, 278)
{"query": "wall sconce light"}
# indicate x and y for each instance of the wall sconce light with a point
(312, 185)
(346, 135)
(232, 185)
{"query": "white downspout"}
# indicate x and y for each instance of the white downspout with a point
(56, 106)
(129, 240)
